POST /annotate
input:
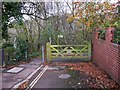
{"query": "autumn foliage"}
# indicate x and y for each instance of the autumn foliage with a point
(91, 14)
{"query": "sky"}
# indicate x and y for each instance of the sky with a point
(71, 0)
(58, 0)
(65, 5)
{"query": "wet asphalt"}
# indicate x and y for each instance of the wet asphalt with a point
(50, 79)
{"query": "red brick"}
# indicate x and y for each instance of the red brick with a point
(106, 55)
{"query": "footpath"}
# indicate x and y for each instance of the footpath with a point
(13, 78)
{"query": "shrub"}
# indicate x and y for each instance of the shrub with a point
(35, 54)
(7, 44)
(117, 36)
(22, 50)
(9, 53)
(101, 34)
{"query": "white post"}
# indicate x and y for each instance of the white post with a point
(50, 40)
(43, 54)
(15, 46)
(26, 55)
(59, 36)
(15, 42)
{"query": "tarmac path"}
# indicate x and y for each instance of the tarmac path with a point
(50, 79)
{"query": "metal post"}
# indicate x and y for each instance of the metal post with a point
(43, 54)
(3, 62)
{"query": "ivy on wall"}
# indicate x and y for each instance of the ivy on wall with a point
(116, 39)
(101, 34)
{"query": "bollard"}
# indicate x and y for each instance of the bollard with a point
(3, 62)
(43, 54)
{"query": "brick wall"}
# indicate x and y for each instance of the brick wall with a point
(107, 54)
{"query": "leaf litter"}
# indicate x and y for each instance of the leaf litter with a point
(87, 75)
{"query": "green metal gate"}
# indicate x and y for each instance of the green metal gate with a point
(68, 51)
